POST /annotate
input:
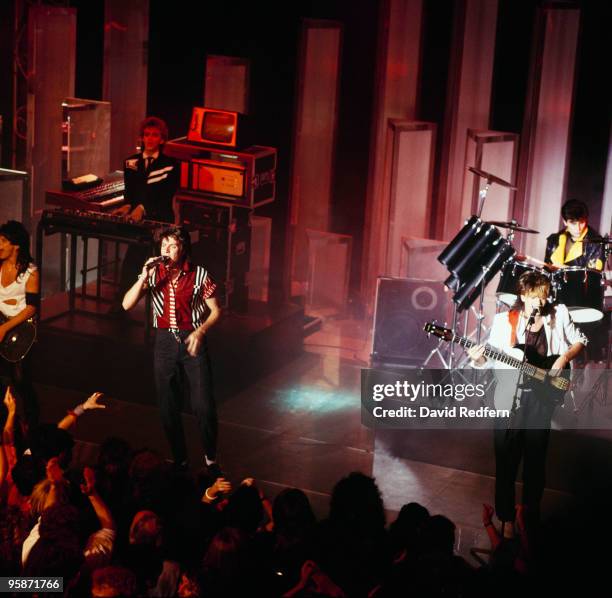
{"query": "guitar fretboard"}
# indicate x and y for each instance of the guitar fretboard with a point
(523, 366)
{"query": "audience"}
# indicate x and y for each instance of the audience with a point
(134, 526)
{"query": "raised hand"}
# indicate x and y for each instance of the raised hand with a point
(9, 401)
(92, 402)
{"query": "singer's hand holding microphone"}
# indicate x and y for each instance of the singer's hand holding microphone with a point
(151, 263)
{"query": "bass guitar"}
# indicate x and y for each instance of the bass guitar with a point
(17, 341)
(533, 366)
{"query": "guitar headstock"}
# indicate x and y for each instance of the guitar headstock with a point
(439, 331)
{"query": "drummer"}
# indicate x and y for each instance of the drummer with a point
(566, 248)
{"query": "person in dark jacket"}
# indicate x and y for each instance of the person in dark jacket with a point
(567, 247)
(151, 180)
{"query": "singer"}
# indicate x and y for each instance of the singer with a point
(545, 329)
(184, 309)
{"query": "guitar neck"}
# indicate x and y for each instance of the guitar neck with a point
(523, 366)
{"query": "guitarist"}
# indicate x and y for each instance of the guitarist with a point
(19, 299)
(546, 330)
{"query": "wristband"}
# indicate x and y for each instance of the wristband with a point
(207, 495)
(78, 410)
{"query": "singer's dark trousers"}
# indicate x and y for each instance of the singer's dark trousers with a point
(169, 356)
(527, 439)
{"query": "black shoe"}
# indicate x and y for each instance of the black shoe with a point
(214, 470)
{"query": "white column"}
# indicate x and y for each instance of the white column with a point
(468, 102)
(126, 36)
(408, 182)
(605, 224)
(395, 96)
(545, 138)
(314, 141)
(51, 64)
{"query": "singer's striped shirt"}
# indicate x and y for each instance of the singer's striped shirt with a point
(182, 305)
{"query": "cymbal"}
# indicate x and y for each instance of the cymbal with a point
(514, 225)
(491, 178)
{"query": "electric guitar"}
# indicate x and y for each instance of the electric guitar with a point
(17, 341)
(535, 367)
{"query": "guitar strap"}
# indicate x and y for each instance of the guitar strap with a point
(513, 317)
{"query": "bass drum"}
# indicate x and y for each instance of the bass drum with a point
(507, 292)
(582, 290)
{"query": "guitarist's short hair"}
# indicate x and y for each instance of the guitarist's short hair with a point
(534, 282)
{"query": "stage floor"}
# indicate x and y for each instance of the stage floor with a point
(301, 426)
(87, 348)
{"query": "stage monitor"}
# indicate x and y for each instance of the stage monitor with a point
(214, 127)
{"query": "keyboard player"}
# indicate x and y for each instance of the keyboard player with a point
(151, 180)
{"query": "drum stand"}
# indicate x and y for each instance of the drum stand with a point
(482, 196)
(479, 315)
(599, 392)
(447, 363)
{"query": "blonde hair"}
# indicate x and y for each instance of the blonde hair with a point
(43, 490)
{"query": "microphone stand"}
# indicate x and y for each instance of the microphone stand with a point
(514, 407)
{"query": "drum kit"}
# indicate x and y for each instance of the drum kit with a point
(479, 251)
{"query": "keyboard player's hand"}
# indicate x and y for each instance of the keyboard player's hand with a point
(137, 214)
(123, 210)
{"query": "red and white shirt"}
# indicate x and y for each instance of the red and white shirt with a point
(180, 304)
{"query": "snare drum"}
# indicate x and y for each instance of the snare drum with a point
(582, 290)
(508, 283)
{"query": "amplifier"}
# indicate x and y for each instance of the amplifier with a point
(193, 212)
(245, 178)
(221, 237)
(210, 176)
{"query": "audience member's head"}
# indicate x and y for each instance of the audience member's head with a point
(438, 536)
(405, 530)
(47, 441)
(144, 464)
(226, 556)
(244, 510)
(146, 529)
(113, 582)
(356, 504)
(47, 494)
(26, 473)
(114, 456)
(292, 513)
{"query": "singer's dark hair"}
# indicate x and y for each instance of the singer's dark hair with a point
(16, 234)
(181, 234)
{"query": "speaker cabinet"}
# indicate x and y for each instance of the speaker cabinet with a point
(221, 242)
(403, 306)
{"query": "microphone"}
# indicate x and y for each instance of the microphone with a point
(161, 259)
(531, 320)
